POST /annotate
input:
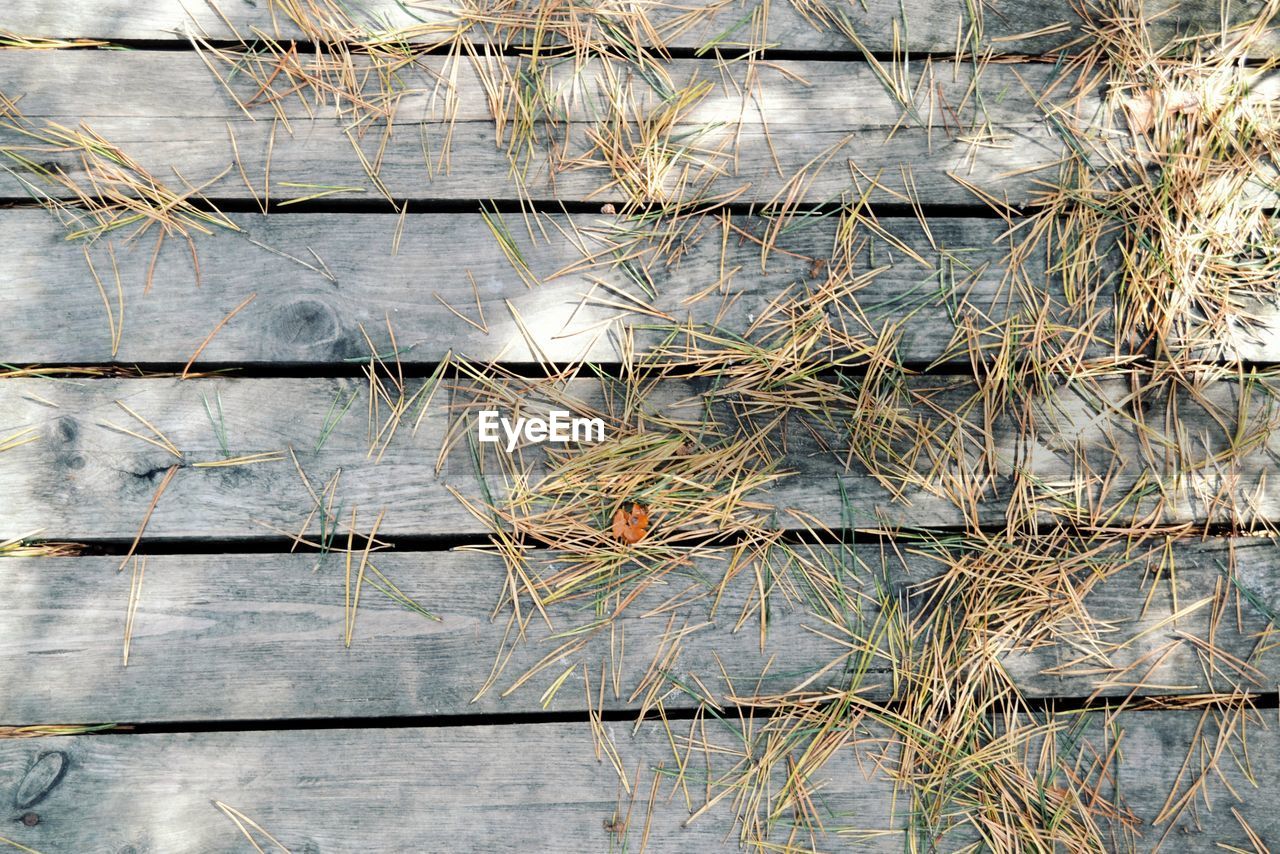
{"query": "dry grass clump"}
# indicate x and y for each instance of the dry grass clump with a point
(698, 477)
(679, 482)
(654, 155)
(558, 28)
(815, 358)
(101, 194)
(548, 29)
(110, 191)
(27, 545)
(955, 735)
(1155, 243)
(358, 72)
(45, 731)
(534, 65)
(1179, 203)
(972, 762)
(13, 41)
(354, 65)
(1170, 170)
(801, 362)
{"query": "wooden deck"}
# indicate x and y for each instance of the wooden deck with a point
(242, 714)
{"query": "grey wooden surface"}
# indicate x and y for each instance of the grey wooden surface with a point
(260, 636)
(309, 307)
(83, 480)
(310, 312)
(168, 110)
(523, 788)
(930, 25)
(227, 637)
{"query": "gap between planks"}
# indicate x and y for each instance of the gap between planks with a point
(521, 788)
(259, 636)
(929, 26)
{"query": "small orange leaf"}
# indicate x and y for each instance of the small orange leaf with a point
(631, 527)
(1141, 111)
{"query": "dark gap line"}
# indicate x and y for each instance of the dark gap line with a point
(410, 544)
(958, 368)
(407, 544)
(269, 545)
(725, 52)
(355, 369)
(427, 206)
(1263, 700)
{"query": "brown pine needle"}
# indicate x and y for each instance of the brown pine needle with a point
(135, 597)
(18, 846)
(155, 499)
(216, 329)
(115, 319)
(17, 440)
(246, 460)
(161, 440)
(241, 820)
(364, 562)
(149, 440)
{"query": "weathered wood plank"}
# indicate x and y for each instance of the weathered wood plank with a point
(205, 623)
(514, 788)
(929, 25)
(306, 313)
(933, 23)
(78, 479)
(259, 636)
(521, 788)
(309, 309)
(169, 111)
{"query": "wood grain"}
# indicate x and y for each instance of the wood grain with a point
(925, 25)
(531, 787)
(227, 637)
(321, 277)
(83, 480)
(169, 111)
(309, 311)
(259, 636)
